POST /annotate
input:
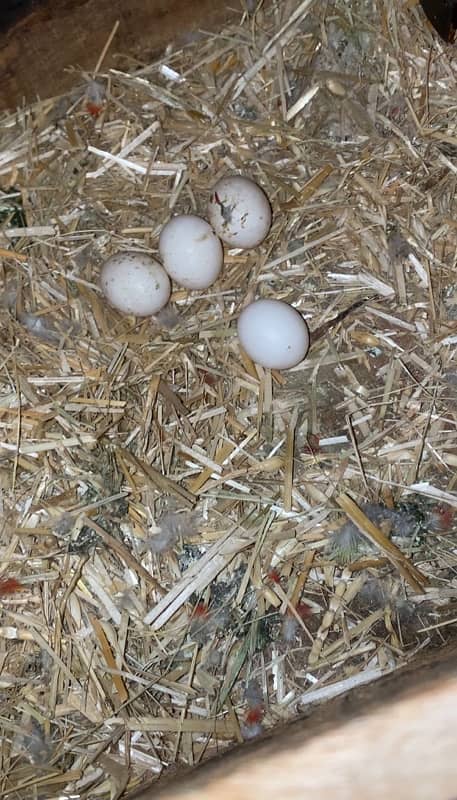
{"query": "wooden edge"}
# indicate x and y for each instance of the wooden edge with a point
(393, 739)
(37, 49)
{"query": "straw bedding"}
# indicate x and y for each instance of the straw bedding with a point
(194, 549)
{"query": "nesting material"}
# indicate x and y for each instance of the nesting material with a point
(169, 579)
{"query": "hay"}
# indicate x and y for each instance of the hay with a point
(167, 575)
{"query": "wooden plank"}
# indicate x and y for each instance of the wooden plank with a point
(37, 47)
(396, 738)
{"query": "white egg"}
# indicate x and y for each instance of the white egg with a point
(135, 284)
(273, 334)
(191, 252)
(239, 212)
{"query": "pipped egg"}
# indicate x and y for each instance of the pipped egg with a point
(135, 283)
(239, 211)
(273, 334)
(191, 252)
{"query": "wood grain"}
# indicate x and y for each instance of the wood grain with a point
(394, 739)
(38, 48)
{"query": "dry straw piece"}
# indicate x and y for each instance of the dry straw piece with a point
(167, 505)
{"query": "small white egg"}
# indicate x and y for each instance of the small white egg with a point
(273, 334)
(239, 212)
(135, 283)
(191, 252)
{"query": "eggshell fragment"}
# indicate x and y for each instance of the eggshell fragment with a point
(191, 252)
(135, 283)
(239, 212)
(273, 334)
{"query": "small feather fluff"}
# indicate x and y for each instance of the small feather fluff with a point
(171, 527)
(348, 543)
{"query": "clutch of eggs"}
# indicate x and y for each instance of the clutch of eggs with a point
(273, 334)
(239, 212)
(135, 283)
(191, 252)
